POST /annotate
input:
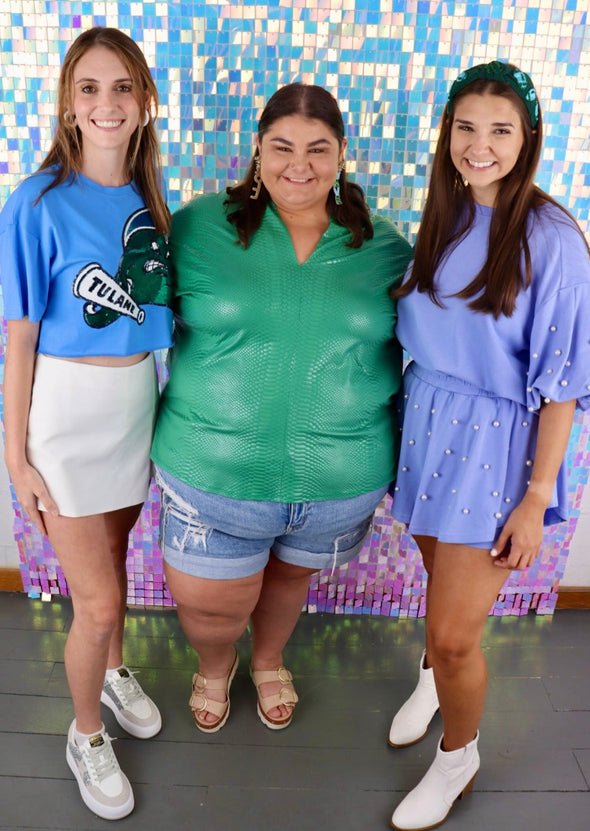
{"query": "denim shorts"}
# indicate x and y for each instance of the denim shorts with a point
(216, 537)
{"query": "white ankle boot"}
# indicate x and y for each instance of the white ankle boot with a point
(448, 778)
(412, 719)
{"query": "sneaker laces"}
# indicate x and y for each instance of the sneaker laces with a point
(126, 687)
(100, 760)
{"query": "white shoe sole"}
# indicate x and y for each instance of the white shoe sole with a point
(270, 724)
(102, 811)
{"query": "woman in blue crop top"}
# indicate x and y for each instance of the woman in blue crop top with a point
(83, 263)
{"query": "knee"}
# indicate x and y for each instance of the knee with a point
(98, 619)
(450, 650)
(204, 621)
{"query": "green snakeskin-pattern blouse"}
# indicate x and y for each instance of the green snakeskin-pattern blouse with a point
(282, 376)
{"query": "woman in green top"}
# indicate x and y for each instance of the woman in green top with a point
(275, 439)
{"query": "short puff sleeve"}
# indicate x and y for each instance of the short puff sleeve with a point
(559, 367)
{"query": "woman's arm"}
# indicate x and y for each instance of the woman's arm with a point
(21, 346)
(524, 527)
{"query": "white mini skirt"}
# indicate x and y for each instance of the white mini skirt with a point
(90, 432)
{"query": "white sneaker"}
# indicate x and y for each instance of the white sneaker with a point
(103, 786)
(133, 709)
(410, 723)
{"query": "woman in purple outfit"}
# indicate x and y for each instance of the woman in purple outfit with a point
(494, 313)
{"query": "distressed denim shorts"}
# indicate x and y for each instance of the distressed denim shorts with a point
(219, 538)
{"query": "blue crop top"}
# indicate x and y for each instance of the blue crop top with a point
(87, 263)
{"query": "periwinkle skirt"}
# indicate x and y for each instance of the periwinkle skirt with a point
(465, 460)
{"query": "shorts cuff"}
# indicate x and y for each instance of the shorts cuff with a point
(215, 568)
(318, 561)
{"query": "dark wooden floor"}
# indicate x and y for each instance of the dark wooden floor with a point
(331, 769)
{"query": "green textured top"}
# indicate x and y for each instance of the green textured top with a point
(282, 374)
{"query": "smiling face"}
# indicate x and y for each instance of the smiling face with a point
(105, 106)
(486, 140)
(299, 159)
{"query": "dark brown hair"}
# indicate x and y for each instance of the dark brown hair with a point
(450, 210)
(143, 155)
(311, 102)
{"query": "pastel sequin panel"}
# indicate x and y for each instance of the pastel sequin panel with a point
(389, 64)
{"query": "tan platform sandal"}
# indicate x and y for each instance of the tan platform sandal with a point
(200, 702)
(286, 696)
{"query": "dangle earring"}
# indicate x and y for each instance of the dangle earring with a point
(336, 187)
(257, 181)
(146, 118)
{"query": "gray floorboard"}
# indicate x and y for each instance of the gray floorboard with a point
(332, 769)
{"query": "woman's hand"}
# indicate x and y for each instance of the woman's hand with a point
(524, 528)
(21, 353)
(29, 487)
(519, 544)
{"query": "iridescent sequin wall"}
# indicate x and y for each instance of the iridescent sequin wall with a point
(388, 63)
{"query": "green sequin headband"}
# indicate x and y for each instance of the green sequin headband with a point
(506, 74)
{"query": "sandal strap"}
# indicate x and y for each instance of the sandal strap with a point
(200, 683)
(262, 676)
(286, 694)
(199, 703)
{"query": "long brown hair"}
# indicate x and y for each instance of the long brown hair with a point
(143, 154)
(311, 102)
(449, 213)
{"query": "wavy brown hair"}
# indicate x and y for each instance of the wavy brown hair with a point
(143, 154)
(449, 213)
(313, 102)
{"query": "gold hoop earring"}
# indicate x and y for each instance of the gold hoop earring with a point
(257, 181)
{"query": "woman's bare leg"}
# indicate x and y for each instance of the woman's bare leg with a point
(213, 615)
(284, 591)
(92, 552)
(463, 587)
